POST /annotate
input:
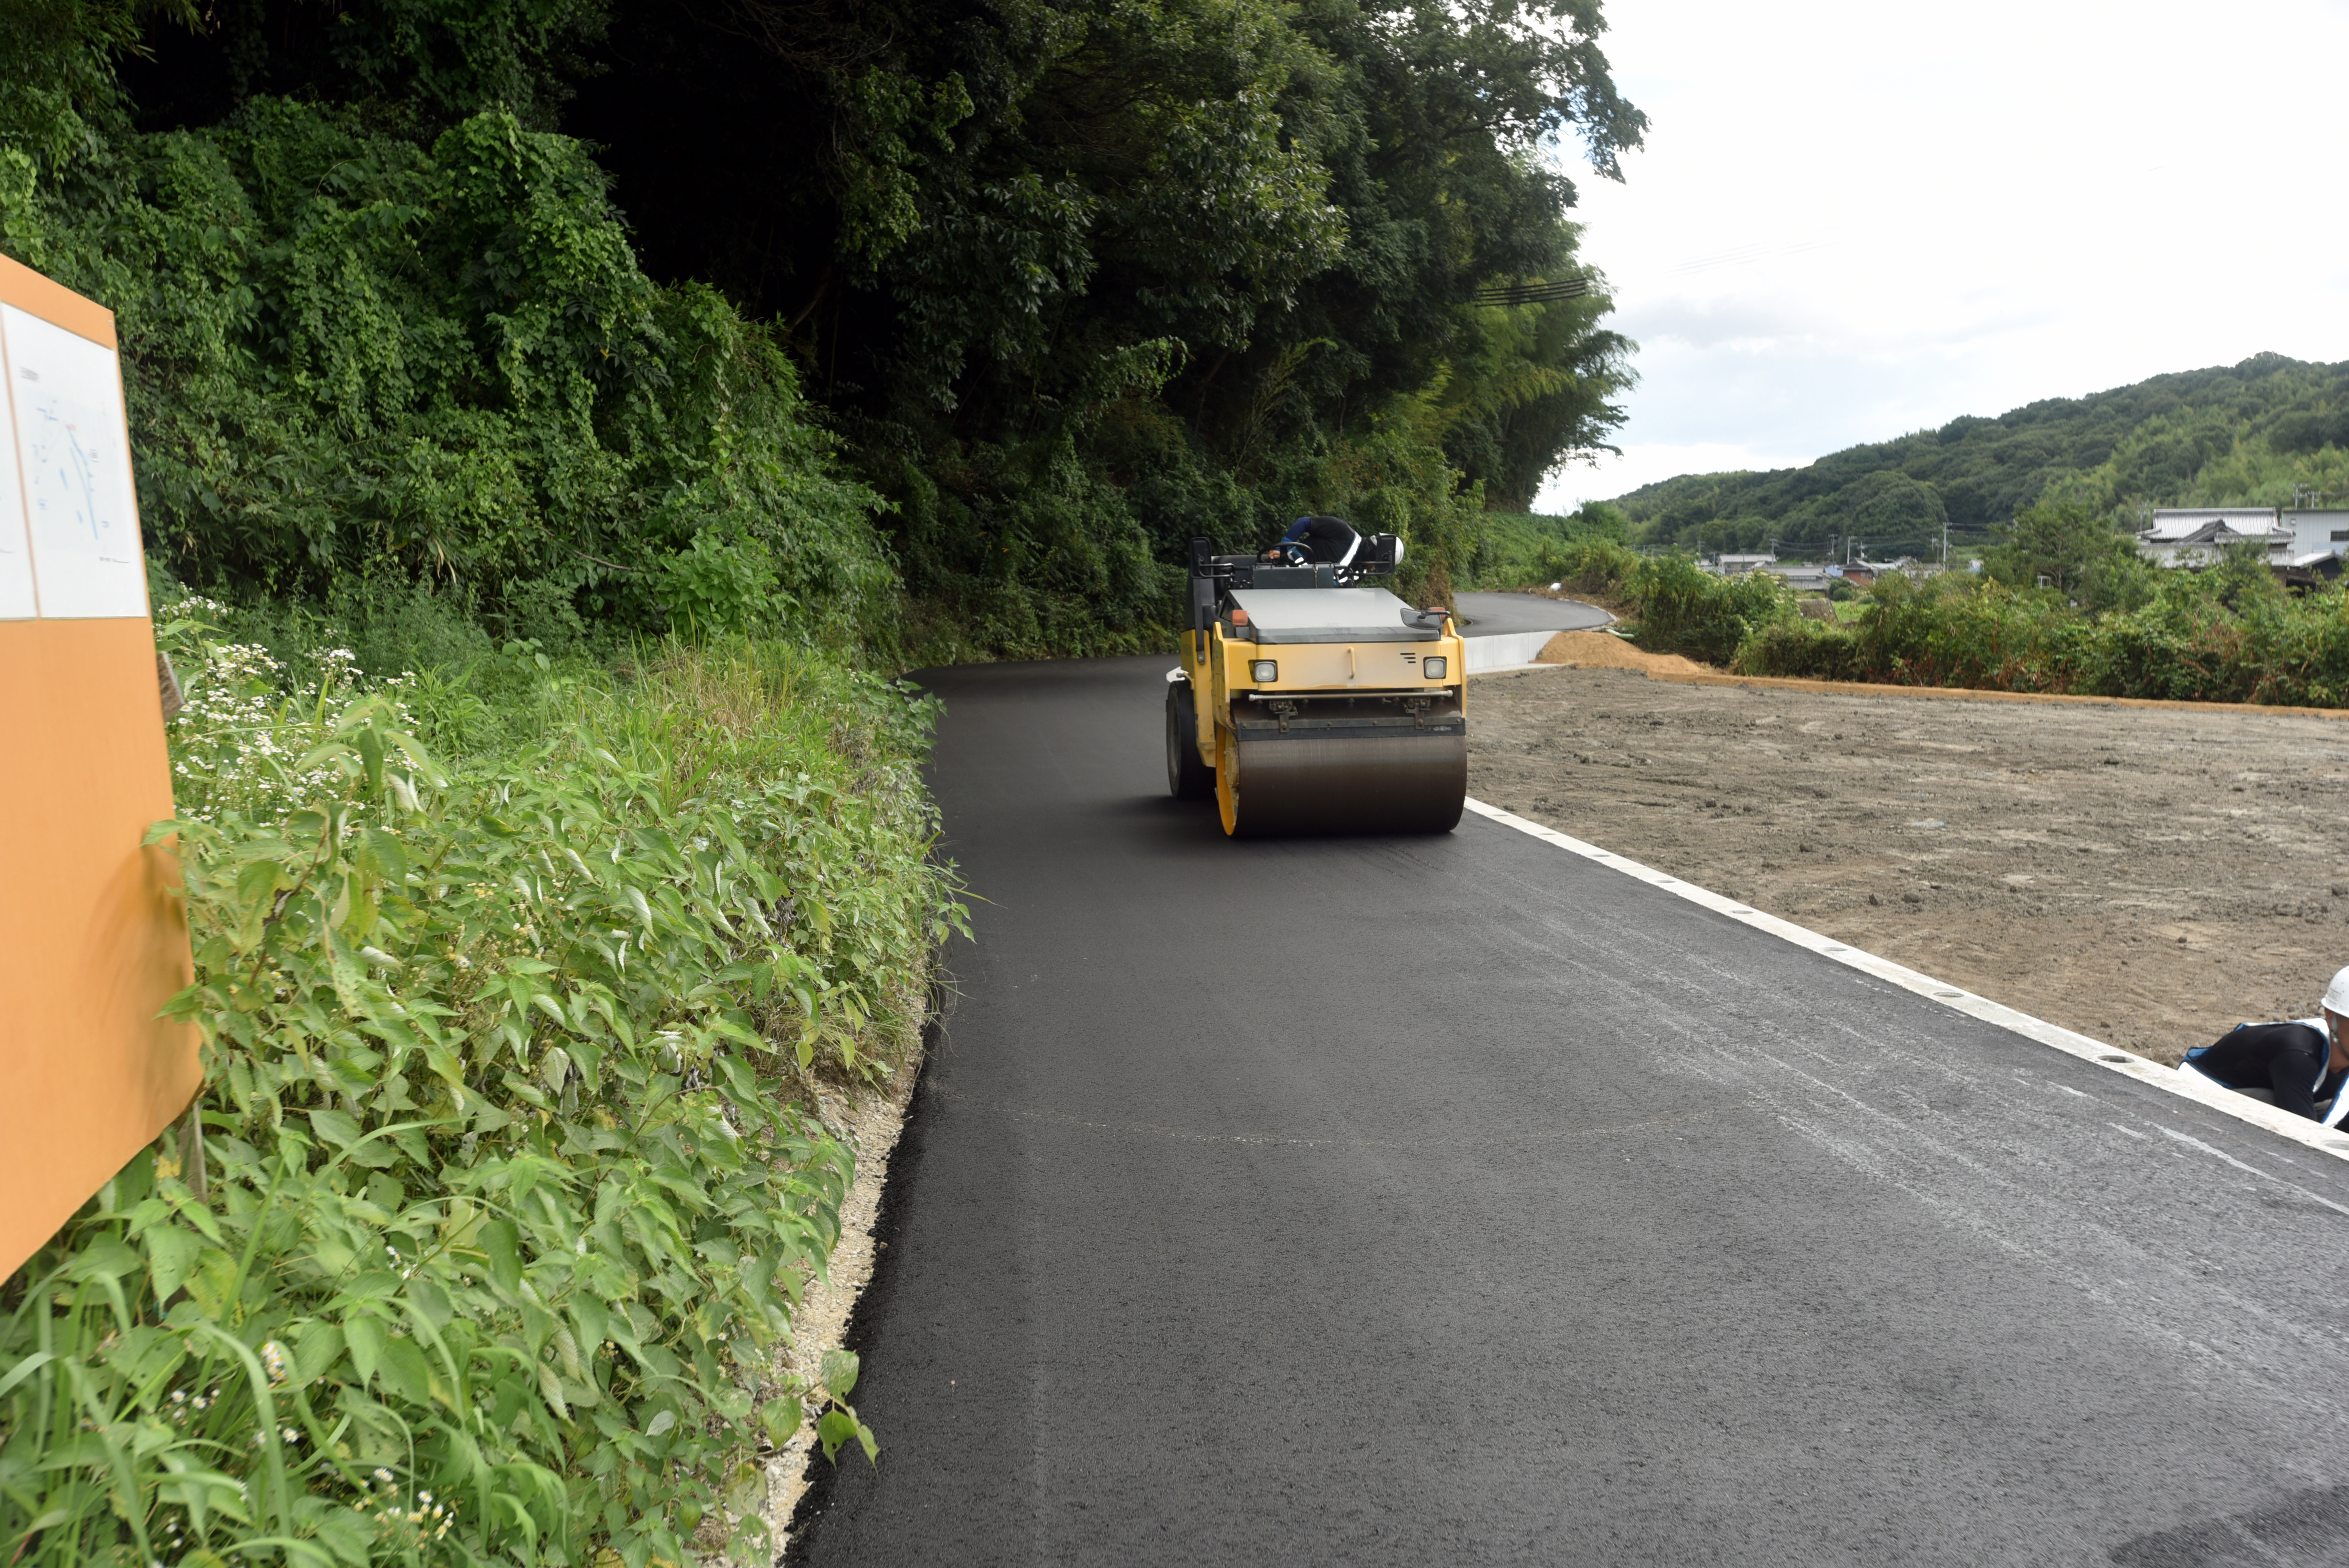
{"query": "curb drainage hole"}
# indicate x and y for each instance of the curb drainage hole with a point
(2108, 1057)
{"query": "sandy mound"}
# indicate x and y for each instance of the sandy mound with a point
(1606, 651)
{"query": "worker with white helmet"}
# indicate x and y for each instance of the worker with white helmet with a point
(2300, 1067)
(1323, 541)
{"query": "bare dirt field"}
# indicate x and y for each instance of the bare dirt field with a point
(2149, 877)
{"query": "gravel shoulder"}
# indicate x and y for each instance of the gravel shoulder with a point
(2149, 877)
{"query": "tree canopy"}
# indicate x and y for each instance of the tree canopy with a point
(1071, 280)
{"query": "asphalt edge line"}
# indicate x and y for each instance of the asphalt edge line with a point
(2112, 1058)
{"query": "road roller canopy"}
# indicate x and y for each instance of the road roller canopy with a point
(1330, 616)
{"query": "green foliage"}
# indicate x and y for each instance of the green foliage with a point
(1521, 550)
(1603, 569)
(717, 585)
(2216, 636)
(1683, 609)
(1528, 384)
(2258, 433)
(1079, 281)
(419, 66)
(2063, 546)
(1675, 606)
(350, 357)
(1086, 280)
(57, 57)
(502, 1202)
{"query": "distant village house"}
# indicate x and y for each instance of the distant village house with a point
(2198, 536)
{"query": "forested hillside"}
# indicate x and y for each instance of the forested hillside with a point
(922, 323)
(2254, 434)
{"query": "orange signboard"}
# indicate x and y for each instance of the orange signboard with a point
(93, 939)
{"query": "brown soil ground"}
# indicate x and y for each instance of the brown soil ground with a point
(2149, 876)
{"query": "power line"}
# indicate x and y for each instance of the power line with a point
(1534, 293)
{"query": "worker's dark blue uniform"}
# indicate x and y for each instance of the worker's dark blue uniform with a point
(1323, 540)
(2291, 1062)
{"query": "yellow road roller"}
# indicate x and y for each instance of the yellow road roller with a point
(1311, 702)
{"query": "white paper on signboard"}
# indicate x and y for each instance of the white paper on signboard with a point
(16, 553)
(74, 451)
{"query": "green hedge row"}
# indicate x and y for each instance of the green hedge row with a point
(2228, 634)
(2187, 645)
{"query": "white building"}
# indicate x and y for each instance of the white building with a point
(1805, 577)
(2315, 532)
(2196, 536)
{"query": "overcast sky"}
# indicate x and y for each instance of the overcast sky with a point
(1855, 219)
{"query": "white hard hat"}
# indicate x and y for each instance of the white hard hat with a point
(2336, 995)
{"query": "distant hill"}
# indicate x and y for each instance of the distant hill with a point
(2244, 435)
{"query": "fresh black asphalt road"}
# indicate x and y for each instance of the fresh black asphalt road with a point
(1496, 614)
(1456, 1200)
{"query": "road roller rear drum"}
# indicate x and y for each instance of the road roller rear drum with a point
(1188, 778)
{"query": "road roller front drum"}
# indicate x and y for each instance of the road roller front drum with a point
(1300, 784)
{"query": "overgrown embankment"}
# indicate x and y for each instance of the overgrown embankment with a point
(505, 1190)
(2225, 635)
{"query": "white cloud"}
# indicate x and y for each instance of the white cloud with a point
(1853, 220)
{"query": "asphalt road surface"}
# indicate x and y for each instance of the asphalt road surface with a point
(1497, 614)
(1456, 1200)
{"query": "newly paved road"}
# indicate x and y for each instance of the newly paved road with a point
(1458, 1201)
(1495, 614)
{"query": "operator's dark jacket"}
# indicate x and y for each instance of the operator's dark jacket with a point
(2291, 1061)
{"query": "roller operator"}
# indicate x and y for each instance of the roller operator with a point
(2300, 1067)
(1316, 541)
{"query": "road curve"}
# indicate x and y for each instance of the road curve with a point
(1457, 1200)
(1499, 614)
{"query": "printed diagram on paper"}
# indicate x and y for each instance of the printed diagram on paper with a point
(71, 479)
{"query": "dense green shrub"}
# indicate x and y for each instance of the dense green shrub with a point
(2224, 636)
(2229, 633)
(502, 1197)
(1600, 567)
(1684, 609)
(1516, 550)
(353, 355)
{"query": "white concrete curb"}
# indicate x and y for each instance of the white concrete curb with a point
(2169, 1081)
(1505, 648)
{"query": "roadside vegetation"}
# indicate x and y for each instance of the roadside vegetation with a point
(2119, 626)
(513, 983)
